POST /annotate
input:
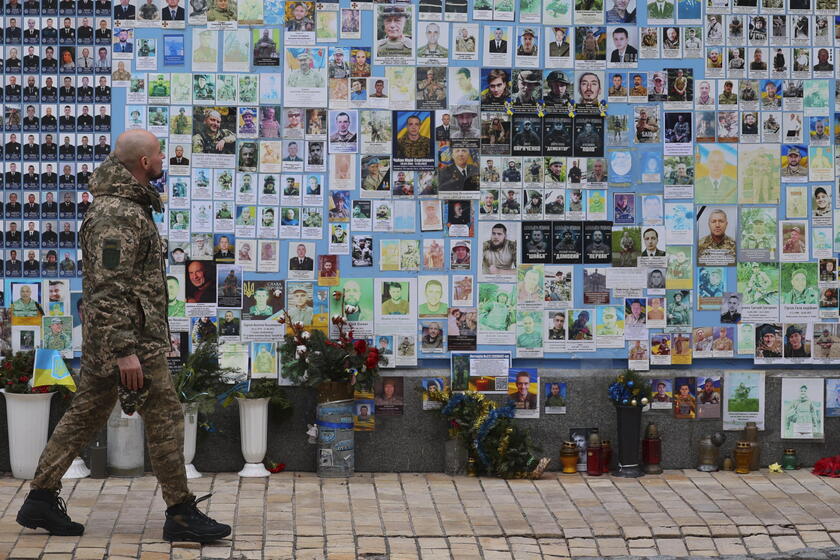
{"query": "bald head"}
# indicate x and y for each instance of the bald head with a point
(139, 151)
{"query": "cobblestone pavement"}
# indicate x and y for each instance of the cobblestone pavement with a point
(434, 516)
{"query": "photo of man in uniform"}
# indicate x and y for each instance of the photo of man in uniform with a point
(395, 42)
(498, 254)
(522, 397)
(211, 137)
(413, 144)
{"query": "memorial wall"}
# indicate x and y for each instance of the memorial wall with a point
(652, 184)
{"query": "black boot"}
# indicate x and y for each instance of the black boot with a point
(185, 522)
(46, 509)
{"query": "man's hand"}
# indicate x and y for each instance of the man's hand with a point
(131, 374)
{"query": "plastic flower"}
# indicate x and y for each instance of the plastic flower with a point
(305, 335)
(360, 346)
(775, 468)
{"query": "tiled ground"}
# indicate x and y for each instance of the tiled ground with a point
(433, 516)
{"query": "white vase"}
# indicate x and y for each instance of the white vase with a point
(27, 419)
(253, 433)
(77, 469)
(190, 433)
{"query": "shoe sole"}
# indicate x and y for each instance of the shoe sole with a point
(39, 524)
(193, 537)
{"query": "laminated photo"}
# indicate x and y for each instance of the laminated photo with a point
(523, 391)
(803, 407)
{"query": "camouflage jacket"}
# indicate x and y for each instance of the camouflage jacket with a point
(124, 283)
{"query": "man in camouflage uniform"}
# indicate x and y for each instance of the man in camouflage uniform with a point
(305, 76)
(57, 339)
(220, 12)
(180, 123)
(717, 242)
(528, 87)
(432, 48)
(125, 340)
(395, 43)
(756, 237)
(490, 174)
(300, 20)
(412, 144)
(339, 68)
(212, 138)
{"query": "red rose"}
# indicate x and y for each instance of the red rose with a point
(360, 346)
(372, 359)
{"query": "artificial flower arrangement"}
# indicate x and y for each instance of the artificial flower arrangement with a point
(16, 374)
(501, 447)
(311, 358)
(629, 389)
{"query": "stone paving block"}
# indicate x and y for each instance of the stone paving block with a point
(788, 543)
(671, 547)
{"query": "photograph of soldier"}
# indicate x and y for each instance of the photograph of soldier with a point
(557, 92)
(266, 47)
(375, 174)
(495, 133)
(589, 137)
(527, 44)
(527, 88)
(431, 88)
(395, 43)
(433, 47)
(626, 246)
(589, 94)
(591, 44)
(467, 126)
(799, 284)
(412, 144)
(462, 175)
(495, 87)
(527, 135)
(343, 131)
(717, 170)
(213, 130)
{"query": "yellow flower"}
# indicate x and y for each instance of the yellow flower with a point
(775, 468)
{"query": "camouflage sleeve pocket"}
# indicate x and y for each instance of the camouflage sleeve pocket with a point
(111, 253)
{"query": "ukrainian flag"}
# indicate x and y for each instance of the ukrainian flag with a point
(50, 369)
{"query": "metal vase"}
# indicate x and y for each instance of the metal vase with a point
(629, 427)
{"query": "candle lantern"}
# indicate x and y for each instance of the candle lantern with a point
(789, 462)
(569, 457)
(593, 455)
(743, 454)
(652, 450)
(606, 456)
(751, 436)
(708, 451)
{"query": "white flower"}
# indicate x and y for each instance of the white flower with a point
(305, 335)
(300, 350)
(298, 325)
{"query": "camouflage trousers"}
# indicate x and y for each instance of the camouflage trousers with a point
(163, 420)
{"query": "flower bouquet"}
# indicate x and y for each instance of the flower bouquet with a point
(311, 358)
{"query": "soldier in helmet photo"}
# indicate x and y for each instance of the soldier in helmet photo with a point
(557, 92)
